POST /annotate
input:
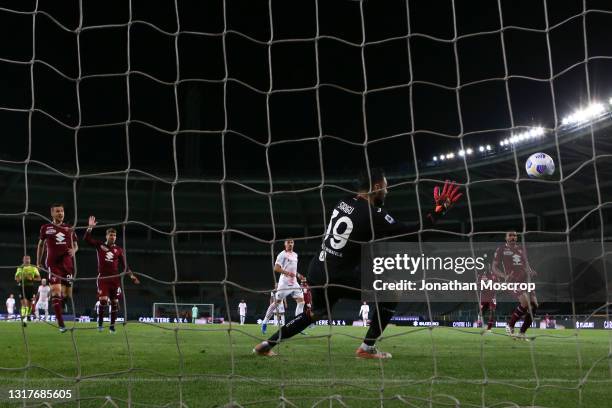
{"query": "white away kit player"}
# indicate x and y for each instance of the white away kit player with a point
(43, 300)
(363, 313)
(10, 305)
(242, 307)
(286, 266)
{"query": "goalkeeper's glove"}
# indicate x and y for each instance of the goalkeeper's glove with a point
(445, 199)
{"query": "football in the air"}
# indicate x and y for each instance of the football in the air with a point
(540, 165)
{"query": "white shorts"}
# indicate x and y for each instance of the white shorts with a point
(284, 290)
(11, 311)
(42, 305)
(364, 316)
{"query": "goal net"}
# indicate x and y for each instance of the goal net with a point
(199, 313)
(207, 133)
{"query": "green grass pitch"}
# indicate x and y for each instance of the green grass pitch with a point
(207, 366)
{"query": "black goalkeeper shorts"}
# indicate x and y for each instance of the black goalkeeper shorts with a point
(341, 285)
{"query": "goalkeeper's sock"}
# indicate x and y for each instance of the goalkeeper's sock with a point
(269, 313)
(292, 328)
(57, 307)
(518, 312)
(299, 309)
(382, 315)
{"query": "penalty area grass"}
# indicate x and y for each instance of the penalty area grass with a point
(208, 366)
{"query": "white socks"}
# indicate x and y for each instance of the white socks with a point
(365, 347)
(269, 313)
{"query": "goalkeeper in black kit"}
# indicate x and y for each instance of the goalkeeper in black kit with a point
(352, 222)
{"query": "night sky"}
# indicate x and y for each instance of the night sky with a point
(295, 71)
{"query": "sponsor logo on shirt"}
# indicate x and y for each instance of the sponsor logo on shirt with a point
(345, 207)
(60, 238)
(109, 256)
(389, 219)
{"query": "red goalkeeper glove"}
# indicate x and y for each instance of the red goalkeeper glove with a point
(445, 199)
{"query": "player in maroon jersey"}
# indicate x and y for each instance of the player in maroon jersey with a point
(306, 292)
(511, 263)
(109, 278)
(488, 301)
(307, 296)
(58, 240)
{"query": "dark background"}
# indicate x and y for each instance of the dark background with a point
(211, 131)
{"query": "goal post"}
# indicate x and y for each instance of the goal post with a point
(204, 312)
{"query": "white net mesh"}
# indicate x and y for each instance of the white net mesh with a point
(212, 132)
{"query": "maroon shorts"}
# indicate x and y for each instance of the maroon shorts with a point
(484, 306)
(60, 274)
(109, 287)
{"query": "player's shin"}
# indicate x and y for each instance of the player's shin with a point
(101, 309)
(295, 326)
(529, 317)
(67, 303)
(114, 308)
(269, 313)
(382, 315)
(518, 312)
(57, 307)
(491, 320)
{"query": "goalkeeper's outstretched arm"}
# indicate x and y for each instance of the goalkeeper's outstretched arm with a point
(443, 201)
